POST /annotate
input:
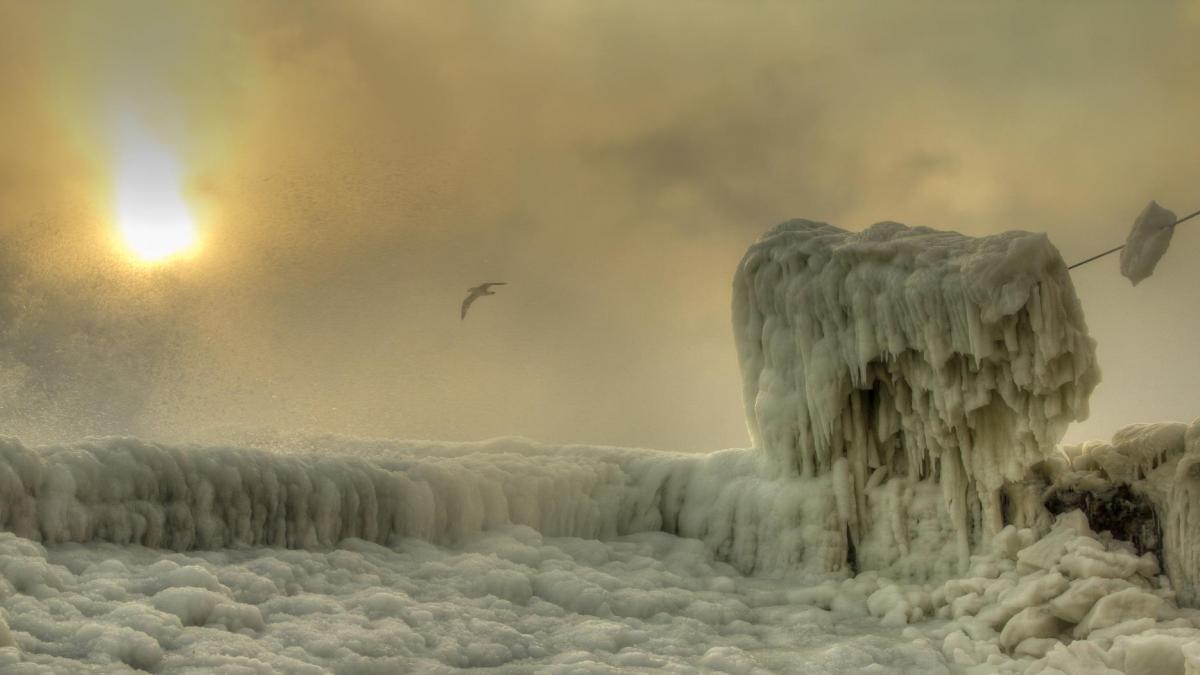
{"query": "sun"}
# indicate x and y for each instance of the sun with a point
(154, 220)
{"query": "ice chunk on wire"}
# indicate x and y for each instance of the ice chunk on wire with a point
(1147, 242)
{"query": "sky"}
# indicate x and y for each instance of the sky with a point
(355, 167)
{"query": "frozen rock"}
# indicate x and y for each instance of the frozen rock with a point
(1124, 628)
(1010, 541)
(1082, 594)
(1031, 622)
(1035, 647)
(1046, 552)
(1032, 590)
(1153, 654)
(1093, 561)
(1076, 658)
(1125, 605)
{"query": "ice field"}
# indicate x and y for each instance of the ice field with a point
(601, 594)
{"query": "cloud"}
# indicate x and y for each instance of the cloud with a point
(360, 166)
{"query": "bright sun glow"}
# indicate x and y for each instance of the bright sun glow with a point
(152, 215)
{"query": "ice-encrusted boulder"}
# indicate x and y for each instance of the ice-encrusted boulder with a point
(1144, 486)
(926, 357)
(1037, 599)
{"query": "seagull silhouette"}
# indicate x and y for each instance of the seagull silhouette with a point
(481, 289)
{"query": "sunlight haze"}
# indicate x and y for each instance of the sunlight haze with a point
(353, 168)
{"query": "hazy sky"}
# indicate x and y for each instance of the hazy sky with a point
(356, 166)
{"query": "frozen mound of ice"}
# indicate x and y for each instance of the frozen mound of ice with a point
(1143, 486)
(1066, 585)
(948, 363)
(1072, 601)
(1068, 601)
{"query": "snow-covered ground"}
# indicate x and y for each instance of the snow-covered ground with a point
(507, 599)
(495, 592)
(516, 601)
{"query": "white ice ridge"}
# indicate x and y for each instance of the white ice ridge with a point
(913, 354)
(127, 491)
(311, 493)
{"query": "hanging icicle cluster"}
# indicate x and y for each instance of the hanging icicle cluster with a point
(913, 354)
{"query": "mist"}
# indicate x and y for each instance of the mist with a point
(357, 167)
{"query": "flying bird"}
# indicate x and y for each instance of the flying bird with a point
(481, 289)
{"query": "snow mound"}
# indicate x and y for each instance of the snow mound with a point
(950, 363)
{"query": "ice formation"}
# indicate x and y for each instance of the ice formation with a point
(1069, 600)
(506, 601)
(1147, 242)
(898, 362)
(1157, 465)
(496, 594)
(316, 493)
(904, 509)
(899, 384)
(126, 491)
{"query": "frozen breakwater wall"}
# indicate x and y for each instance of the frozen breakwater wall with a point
(127, 491)
(315, 492)
(321, 490)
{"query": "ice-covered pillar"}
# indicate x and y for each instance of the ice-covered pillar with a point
(910, 353)
(1181, 523)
